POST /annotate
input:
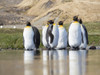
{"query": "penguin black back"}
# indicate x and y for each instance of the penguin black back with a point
(86, 33)
(49, 32)
(80, 21)
(36, 37)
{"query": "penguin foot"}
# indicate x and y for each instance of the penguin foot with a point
(29, 49)
(72, 48)
(51, 49)
(62, 48)
(83, 48)
(76, 48)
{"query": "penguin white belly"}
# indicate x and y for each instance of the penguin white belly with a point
(28, 35)
(55, 33)
(75, 34)
(84, 43)
(44, 36)
(62, 42)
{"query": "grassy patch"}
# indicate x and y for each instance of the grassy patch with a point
(13, 38)
(94, 40)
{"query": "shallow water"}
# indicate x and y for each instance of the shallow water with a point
(58, 62)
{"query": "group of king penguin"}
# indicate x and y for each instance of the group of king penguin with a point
(55, 36)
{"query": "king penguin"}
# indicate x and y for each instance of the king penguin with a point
(84, 35)
(62, 42)
(75, 34)
(52, 35)
(44, 30)
(31, 37)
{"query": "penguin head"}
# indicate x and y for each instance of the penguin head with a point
(60, 23)
(51, 21)
(80, 21)
(28, 24)
(48, 23)
(75, 18)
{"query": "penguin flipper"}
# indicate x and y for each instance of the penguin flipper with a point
(86, 34)
(49, 33)
(36, 37)
(82, 37)
(52, 37)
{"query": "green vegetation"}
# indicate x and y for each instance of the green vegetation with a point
(13, 38)
(94, 40)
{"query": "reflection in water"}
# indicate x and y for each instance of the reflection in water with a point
(28, 57)
(28, 61)
(77, 62)
(62, 57)
(54, 62)
(45, 62)
(33, 65)
(83, 61)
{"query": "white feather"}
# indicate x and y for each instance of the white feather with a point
(28, 38)
(44, 30)
(62, 42)
(75, 34)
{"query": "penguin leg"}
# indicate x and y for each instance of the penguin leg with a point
(29, 49)
(77, 48)
(72, 48)
(83, 48)
(62, 48)
(53, 49)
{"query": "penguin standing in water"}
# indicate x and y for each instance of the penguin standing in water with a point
(62, 42)
(84, 35)
(31, 37)
(52, 35)
(44, 30)
(75, 34)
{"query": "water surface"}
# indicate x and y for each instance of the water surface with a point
(58, 62)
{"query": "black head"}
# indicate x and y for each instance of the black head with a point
(60, 22)
(80, 21)
(28, 24)
(51, 21)
(48, 22)
(75, 18)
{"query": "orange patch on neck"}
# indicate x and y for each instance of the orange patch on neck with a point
(75, 22)
(28, 27)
